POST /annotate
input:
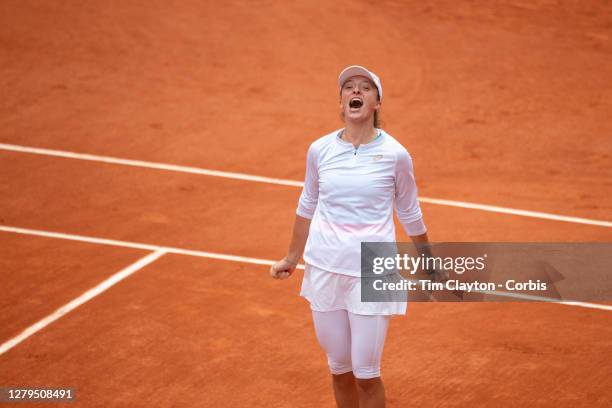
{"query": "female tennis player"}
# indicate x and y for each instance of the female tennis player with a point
(355, 176)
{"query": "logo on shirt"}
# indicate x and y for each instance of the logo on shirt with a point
(377, 157)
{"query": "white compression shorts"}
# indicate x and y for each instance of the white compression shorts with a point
(328, 291)
(351, 341)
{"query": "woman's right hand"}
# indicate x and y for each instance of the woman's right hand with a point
(282, 269)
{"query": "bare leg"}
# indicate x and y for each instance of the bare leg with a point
(345, 390)
(371, 393)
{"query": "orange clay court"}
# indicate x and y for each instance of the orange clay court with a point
(163, 271)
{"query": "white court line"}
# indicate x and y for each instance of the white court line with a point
(533, 298)
(293, 183)
(137, 245)
(514, 211)
(234, 258)
(90, 294)
(545, 299)
(150, 165)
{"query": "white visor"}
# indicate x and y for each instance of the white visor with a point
(355, 70)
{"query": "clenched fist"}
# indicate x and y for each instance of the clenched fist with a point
(282, 269)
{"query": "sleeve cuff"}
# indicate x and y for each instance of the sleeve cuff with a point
(304, 214)
(416, 227)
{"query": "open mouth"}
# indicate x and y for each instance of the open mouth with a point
(355, 103)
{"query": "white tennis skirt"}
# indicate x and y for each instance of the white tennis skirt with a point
(329, 291)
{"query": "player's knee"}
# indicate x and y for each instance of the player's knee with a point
(368, 385)
(346, 380)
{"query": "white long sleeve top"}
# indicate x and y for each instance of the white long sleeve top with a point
(349, 194)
